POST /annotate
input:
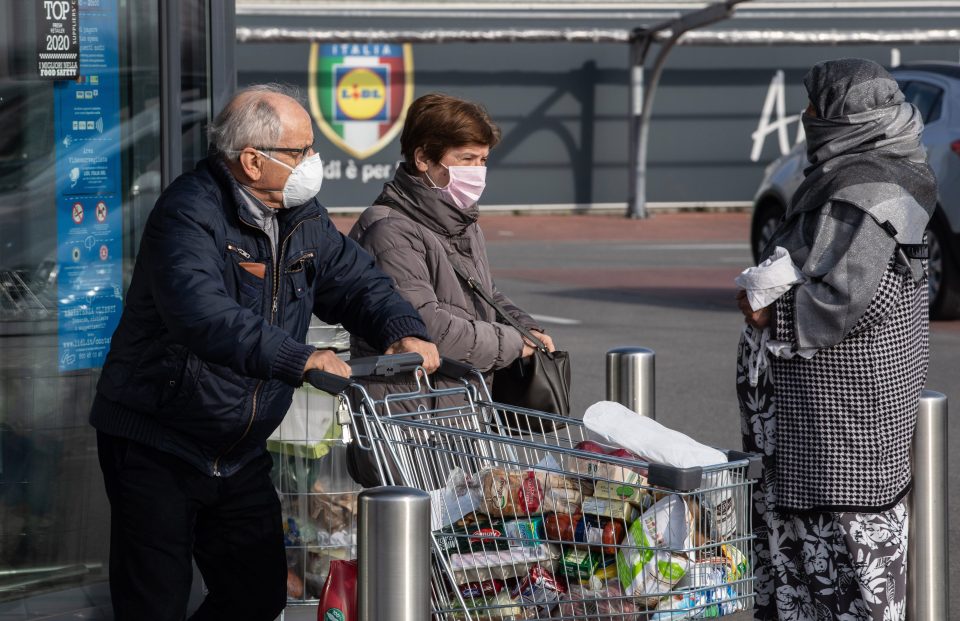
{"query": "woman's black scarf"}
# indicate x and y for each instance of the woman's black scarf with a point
(864, 148)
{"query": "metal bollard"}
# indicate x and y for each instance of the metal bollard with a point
(630, 379)
(927, 563)
(393, 556)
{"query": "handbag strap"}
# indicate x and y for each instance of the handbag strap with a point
(486, 297)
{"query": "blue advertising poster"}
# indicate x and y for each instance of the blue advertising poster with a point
(89, 218)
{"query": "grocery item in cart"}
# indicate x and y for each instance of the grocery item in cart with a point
(473, 533)
(561, 493)
(648, 564)
(580, 565)
(645, 436)
(524, 532)
(662, 445)
(604, 604)
(512, 563)
(460, 496)
(489, 599)
(511, 493)
(499, 607)
(338, 600)
(539, 593)
(592, 531)
(602, 469)
(729, 567)
(487, 588)
(698, 604)
(618, 510)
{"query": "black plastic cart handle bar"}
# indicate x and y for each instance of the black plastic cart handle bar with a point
(381, 366)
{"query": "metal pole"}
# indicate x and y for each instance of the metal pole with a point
(927, 545)
(630, 379)
(393, 552)
(639, 46)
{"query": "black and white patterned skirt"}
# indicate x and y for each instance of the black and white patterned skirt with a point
(816, 566)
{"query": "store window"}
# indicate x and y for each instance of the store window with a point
(79, 172)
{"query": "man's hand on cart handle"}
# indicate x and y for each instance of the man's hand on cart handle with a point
(427, 350)
(327, 360)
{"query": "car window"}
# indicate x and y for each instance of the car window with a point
(926, 97)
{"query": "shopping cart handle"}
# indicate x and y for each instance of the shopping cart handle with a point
(327, 382)
(453, 369)
(385, 366)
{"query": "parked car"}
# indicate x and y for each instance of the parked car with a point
(933, 87)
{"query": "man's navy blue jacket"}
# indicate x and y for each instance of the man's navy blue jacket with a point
(207, 353)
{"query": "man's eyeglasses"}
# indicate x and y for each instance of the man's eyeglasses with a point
(300, 153)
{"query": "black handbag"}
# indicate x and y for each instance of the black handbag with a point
(538, 382)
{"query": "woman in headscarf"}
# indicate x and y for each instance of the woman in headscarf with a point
(833, 412)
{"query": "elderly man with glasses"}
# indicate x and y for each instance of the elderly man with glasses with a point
(236, 257)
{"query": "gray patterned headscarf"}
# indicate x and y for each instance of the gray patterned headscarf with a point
(864, 148)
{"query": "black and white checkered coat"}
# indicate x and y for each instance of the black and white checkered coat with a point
(845, 417)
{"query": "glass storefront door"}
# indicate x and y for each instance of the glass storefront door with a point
(80, 169)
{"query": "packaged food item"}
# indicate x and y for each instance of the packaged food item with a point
(581, 564)
(605, 604)
(603, 469)
(561, 493)
(338, 600)
(618, 510)
(633, 491)
(593, 531)
(294, 584)
(487, 588)
(698, 604)
(493, 603)
(511, 493)
(606, 573)
(646, 581)
(718, 515)
(667, 523)
(728, 567)
(460, 496)
(647, 564)
(473, 533)
(498, 564)
(525, 532)
(539, 593)
(291, 533)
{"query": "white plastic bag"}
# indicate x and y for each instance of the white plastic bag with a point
(648, 438)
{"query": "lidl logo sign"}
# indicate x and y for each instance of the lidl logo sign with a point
(360, 92)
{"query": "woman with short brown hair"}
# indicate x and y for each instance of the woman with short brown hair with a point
(423, 224)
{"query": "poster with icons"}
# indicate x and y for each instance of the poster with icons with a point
(89, 216)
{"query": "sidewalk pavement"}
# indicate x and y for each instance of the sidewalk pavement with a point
(661, 227)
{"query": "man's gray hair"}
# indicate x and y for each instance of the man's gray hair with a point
(248, 119)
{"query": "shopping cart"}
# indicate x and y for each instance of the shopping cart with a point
(554, 525)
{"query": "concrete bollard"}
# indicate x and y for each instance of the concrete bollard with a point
(928, 587)
(630, 379)
(393, 554)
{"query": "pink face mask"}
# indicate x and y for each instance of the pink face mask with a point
(465, 186)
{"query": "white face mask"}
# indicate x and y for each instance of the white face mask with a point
(465, 186)
(304, 181)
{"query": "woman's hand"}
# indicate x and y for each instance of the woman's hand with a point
(543, 336)
(529, 347)
(759, 319)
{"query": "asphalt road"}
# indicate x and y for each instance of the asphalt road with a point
(666, 284)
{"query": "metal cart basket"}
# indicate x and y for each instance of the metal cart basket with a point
(552, 524)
